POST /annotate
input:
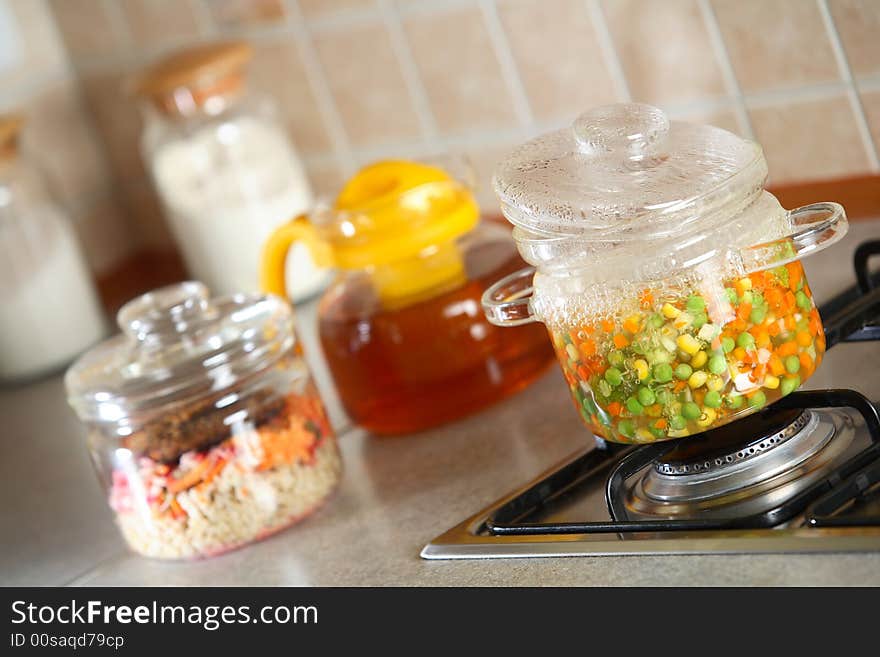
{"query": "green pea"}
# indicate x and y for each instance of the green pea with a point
(789, 385)
(792, 364)
(613, 376)
(735, 401)
(803, 301)
(758, 314)
(695, 303)
(757, 298)
(731, 295)
(646, 396)
(758, 399)
(782, 275)
(657, 432)
(626, 428)
(615, 358)
(691, 411)
(699, 319)
(604, 388)
(656, 321)
(677, 422)
(663, 372)
(727, 344)
(590, 405)
(712, 399)
(718, 364)
(662, 396)
(634, 407)
(683, 371)
(745, 340)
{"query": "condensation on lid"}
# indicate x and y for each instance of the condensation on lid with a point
(625, 172)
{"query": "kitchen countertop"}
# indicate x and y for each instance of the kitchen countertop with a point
(395, 496)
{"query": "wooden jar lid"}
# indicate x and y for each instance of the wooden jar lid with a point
(200, 67)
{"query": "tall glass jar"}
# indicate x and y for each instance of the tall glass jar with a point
(203, 422)
(49, 310)
(223, 167)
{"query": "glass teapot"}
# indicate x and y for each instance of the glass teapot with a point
(668, 278)
(401, 326)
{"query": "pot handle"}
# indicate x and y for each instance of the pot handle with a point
(814, 227)
(508, 301)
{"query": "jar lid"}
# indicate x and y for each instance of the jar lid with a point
(10, 127)
(200, 66)
(178, 345)
(626, 173)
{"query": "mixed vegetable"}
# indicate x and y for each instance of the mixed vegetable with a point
(678, 364)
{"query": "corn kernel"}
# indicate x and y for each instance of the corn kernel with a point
(745, 283)
(707, 418)
(697, 379)
(688, 344)
(707, 332)
(643, 434)
(641, 367)
(771, 382)
(682, 321)
(654, 411)
(669, 311)
(715, 383)
(699, 359)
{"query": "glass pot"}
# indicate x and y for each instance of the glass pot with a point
(669, 280)
(203, 422)
(401, 327)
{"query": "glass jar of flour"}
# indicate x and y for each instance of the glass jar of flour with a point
(49, 309)
(223, 167)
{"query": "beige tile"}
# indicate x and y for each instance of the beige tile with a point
(105, 233)
(237, 13)
(327, 181)
(118, 122)
(86, 27)
(664, 50)
(871, 104)
(277, 71)
(721, 118)
(157, 21)
(776, 43)
(61, 137)
(459, 69)
(810, 140)
(558, 56)
(35, 48)
(367, 84)
(858, 23)
(319, 8)
(484, 161)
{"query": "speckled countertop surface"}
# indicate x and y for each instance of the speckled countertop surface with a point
(396, 495)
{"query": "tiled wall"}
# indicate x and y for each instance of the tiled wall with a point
(362, 79)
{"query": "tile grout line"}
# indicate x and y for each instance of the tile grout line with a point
(716, 38)
(320, 87)
(608, 51)
(852, 93)
(414, 85)
(118, 23)
(509, 71)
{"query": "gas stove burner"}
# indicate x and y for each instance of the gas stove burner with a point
(720, 475)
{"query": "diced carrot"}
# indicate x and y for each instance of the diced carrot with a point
(789, 300)
(787, 349)
(757, 279)
(739, 287)
(678, 386)
(790, 324)
(620, 341)
(589, 329)
(743, 311)
(646, 300)
(176, 510)
(803, 338)
(631, 324)
(614, 408)
(660, 424)
(739, 353)
(773, 329)
(583, 373)
(774, 298)
(795, 273)
(815, 324)
(607, 325)
(587, 348)
(805, 360)
(777, 368)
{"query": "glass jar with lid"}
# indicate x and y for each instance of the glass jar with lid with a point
(401, 325)
(49, 309)
(669, 279)
(223, 167)
(203, 422)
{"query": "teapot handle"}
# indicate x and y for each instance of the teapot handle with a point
(274, 257)
(508, 301)
(814, 227)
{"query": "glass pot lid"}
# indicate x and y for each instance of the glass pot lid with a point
(177, 344)
(626, 173)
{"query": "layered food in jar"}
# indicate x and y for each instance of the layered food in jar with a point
(204, 423)
(676, 363)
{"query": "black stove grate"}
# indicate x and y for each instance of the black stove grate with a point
(853, 316)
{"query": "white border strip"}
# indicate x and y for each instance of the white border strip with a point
(609, 53)
(509, 70)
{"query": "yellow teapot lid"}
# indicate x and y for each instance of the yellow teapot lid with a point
(393, 210)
